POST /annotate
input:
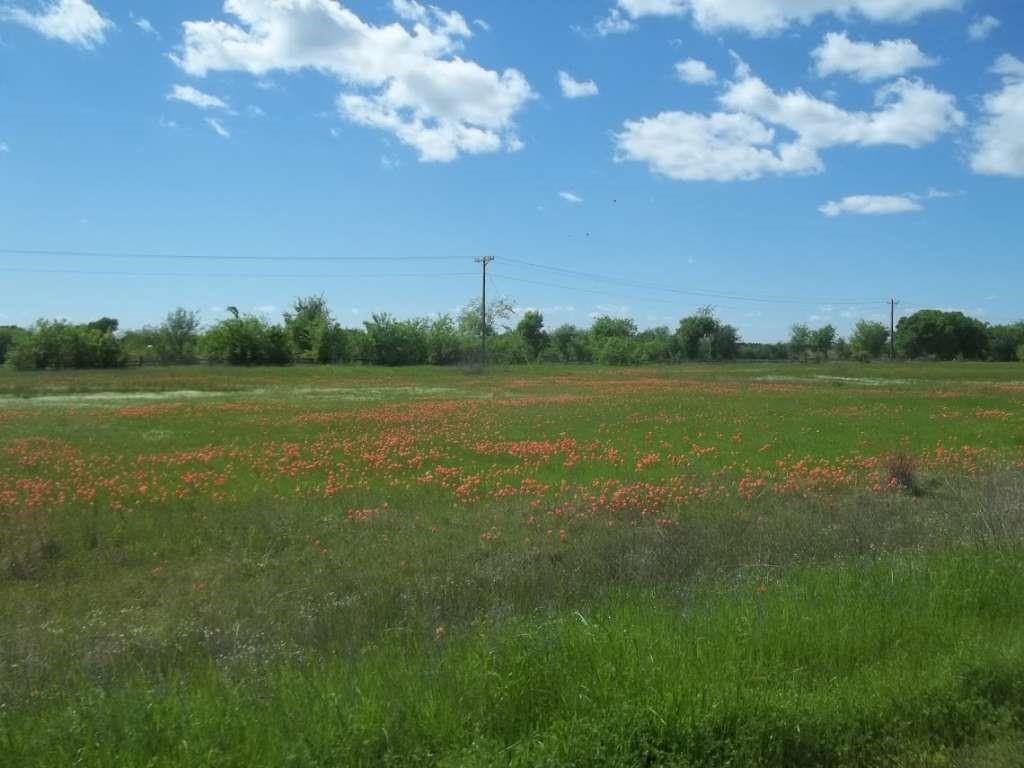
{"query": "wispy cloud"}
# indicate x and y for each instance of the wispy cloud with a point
(871, 205)
(571, 197)
(218, 127)
(195, 97)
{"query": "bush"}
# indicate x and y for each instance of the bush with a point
(57, 344)
(397, 342)
(620, 351)
(444, 342)
(248, 340)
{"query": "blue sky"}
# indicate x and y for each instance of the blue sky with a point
(783, 160)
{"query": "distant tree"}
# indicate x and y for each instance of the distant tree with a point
(658, 345)
(569, 344)
(58, 344)
(725, 343)
(247, 340)
(397, 342)
(498, 311)
(942, 335)
(869, 337)
(1004, 340)
(696, 332)
(178, 336)
(1020, 353)
(843, 350)
(606, 327)
(799, 340)
(822, 341)
(309, 321)
(620, 350)
(9, 335)
(104, 325)
(531, 330)
(444, 342)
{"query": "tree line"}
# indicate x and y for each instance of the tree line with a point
(310, 333)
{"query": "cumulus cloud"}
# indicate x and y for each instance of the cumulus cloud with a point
(871, 205)
(218, 127)
(615, 23)
(72, 21)
(571, 197)
(195, 97)
(409, 82)
(695, 72)
(762, 17)
(837, 54)
(741, 142)
(574, 89)
(982, 27)
(999, 137)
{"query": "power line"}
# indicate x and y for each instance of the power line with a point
(231, 274)
(695, 292)
(213, 257)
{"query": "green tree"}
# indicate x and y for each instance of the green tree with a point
(397, 342)
(178, 336)
(696, 332)
(607, 327)
(531, 330)
(1004, 340)
(309, 322)
(498, 310)
(444, 342)
(569, 344)
(799, 340)
(869, 337)
(943, 335)
(822, 341)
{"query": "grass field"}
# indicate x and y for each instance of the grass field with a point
(768, 565)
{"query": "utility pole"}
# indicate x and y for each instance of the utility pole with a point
(483, 261)
(892, 328)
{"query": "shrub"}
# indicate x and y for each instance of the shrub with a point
(397, 342)
(901, 469)
(247, 340)
(620, 351)
(57, 344)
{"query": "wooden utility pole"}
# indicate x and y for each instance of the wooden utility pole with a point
(483, 261)
(892, 328)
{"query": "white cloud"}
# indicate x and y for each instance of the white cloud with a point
(999, 138)
(761, 17)
(837, 54)
(695, 72)
(4, 148)
(571, 197)
(165, 123)
(218, 127)
(195, 97)
(982, 27)
(72, 21)
(614, 24)
(871, 205)
(575, 89)
(255, 111)
(409, 83)
(741, 142)
(144, 24)
(482, 24)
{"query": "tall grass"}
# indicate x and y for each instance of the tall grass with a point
(900, 661)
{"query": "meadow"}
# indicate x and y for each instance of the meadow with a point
(722, 565)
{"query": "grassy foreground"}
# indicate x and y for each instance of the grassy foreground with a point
(675, 567)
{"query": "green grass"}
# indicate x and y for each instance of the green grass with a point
(356, 566)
